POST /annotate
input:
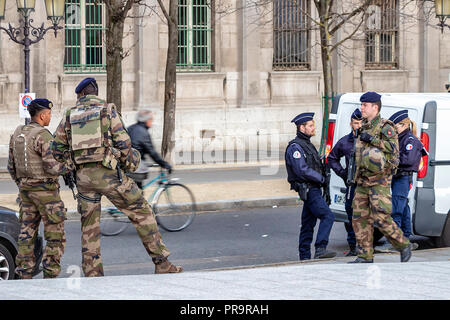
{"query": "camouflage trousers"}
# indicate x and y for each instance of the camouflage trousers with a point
(92, 183)
(374, 205)
(34, 207)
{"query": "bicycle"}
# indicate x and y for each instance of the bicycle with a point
(173, 204)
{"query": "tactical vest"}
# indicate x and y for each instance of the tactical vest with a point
(371, 161)
(310, 155)
(89, 134)
(91, 139)
(28, 163)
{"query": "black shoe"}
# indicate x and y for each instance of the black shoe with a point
(405, 254)
(304, 259)
(361, 260)
(322, 253)
(352, 253)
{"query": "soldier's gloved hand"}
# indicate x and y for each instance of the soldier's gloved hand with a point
(366, 137)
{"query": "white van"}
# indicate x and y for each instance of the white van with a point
(429, 197)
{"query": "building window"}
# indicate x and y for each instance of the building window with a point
(382, 35)
(194, 35)
(85, 34)
(291, 35)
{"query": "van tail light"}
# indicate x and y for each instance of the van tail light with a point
(330, 135)
(424, 160)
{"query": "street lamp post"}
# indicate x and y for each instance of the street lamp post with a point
(21, 34)
(442, 8)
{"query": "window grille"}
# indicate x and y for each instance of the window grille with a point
(194, 35)
(291, 35)
(84, 37)
(382, 35)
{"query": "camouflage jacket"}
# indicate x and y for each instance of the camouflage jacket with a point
(42, 147)
(376, 161)
(113, 136)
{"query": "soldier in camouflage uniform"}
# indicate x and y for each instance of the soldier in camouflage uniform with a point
(101, 149)
(32, 166)
(376, 158)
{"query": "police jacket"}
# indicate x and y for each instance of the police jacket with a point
(343, 148)
(141, 141)
(411, 151)
(303, 162)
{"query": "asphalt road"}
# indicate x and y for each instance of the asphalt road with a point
(214, 240)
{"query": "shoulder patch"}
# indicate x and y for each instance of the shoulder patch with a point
(409, 147)
(388, 130)
(297, 155)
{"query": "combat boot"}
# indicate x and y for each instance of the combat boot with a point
(322, 253)
(165, 266)
(361, 260)
(405, 254)
(352, 252)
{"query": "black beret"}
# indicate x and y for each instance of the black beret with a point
(370, 97)
(84, 83)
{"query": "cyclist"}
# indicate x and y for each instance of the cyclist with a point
(141, 141)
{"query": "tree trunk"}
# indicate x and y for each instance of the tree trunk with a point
(114, 50)
(323, 7)
(170, 90)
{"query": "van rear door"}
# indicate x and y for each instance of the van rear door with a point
(433, 181)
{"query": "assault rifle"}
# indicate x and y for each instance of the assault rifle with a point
(351, 170)
(69, 178)
(327, 175)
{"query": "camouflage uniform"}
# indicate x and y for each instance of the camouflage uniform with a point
(372, 203)
(96, 152)
(32, 166)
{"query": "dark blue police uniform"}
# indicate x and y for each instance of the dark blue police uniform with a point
(344, 148)
(411, 151)
(303, 166)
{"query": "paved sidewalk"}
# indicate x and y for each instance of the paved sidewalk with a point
(265, 191)
(331, 279)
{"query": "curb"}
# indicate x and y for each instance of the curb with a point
(224, 205)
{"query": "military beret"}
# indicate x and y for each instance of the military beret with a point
(303, 117)
(370, 97)
(357, 114)
(399, 116)
(84, 83)
(39, 104)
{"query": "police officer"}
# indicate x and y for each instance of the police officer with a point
(376, 159)
(344, 148)
(141, 140)
(411, 152)
(34, 169)
(305, 174)
(101, 149)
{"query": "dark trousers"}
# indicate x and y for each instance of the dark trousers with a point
(400, 207)
(351, 239)
(314, 208)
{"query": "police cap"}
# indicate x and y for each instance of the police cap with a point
(84, 83)
(303, 117)
(370, 97)
(357, 114)
(399, 116)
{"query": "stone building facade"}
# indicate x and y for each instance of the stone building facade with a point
(244, 71)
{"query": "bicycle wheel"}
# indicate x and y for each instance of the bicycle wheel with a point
(113, 222)
(174, 207)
